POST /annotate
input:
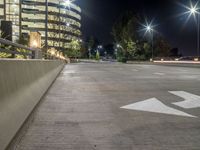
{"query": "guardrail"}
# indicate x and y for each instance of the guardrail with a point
(14, 49)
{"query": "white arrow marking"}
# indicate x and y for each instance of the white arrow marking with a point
(155, 106)
(190, 100)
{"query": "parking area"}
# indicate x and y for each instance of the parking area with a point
(113, 106)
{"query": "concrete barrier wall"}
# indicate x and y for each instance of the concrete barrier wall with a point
(22, 84)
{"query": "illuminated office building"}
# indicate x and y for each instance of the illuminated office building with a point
(58, 21)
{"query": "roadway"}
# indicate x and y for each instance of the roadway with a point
(86, 109)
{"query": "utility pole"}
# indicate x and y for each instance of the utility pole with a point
(198, 36)
(152, 46)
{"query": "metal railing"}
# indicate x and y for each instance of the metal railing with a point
(14, 49)
(11, 48)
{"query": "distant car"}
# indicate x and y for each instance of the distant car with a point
(188, 58)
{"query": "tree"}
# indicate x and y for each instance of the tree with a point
(125, 33)
(174, 52)
(23, 41)
(147, 50)
(91, 42)
(74, 49)
(91, 45)
(3, 54)
(84, 51)
(162, 47)
(125, 27)
(97, 55)
(132, 49)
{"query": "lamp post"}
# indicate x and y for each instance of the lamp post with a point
(89, 52)
(100, 47)
(193, 10)
(198, 36)
(119, 46)
(149, 29)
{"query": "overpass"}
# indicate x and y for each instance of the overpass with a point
(98, 106)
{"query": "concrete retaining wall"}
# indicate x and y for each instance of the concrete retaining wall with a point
(22, 84)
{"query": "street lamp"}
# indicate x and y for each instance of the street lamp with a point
(68, 3)
(149, 29)
(34, 44)
(100, 46)
(89, 52)
(68, 24)
(118, 45)
(193, 10)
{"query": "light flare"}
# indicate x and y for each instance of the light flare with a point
(191, 10)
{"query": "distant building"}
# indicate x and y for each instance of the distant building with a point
(58, 21)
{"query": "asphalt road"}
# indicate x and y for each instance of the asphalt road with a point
(82, 110)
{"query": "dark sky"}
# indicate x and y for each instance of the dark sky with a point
(98, 17)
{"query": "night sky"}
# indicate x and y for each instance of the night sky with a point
(98, 17)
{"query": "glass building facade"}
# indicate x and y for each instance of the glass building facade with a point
(58, 21)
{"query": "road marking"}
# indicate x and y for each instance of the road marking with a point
(155, 106)
(135, 70)
(69, 72)
(159, 73)
(183, 70)
(190, 100)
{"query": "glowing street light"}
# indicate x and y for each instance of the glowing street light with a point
(100, 46)
(35, 40)
(149, 28)
(68, 24)
(68, 3)
(34, 44)
(193, 10)
(118, 46)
